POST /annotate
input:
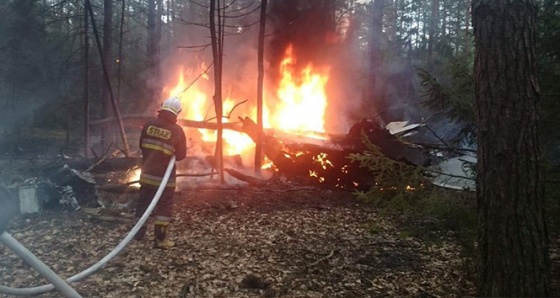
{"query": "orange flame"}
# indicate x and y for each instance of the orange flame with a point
(198, 106)
(300, 104)
(302, 98)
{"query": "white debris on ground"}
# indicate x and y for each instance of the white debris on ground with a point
(455, 173)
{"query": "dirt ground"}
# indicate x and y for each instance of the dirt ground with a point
(280, 240)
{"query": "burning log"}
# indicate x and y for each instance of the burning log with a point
(272, 147)
(328, 163)
(310, 163)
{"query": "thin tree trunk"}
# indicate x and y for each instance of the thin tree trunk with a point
(512, 234)
(217, 48)
(87, 141)
(108, 80)
(467, 30)
(260, 82)
(373, 86)
(107, 60)
(392, 22)
(120, 54)
(434, 20)
(153, 49)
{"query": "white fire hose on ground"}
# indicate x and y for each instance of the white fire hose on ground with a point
(58, 282)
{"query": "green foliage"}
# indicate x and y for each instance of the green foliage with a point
(453, 96)
(453, 207)
(403, 191)
(393, 179)
(374, 228)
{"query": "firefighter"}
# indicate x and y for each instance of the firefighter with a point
(161, 138)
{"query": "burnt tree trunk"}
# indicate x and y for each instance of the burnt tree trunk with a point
(512, 235)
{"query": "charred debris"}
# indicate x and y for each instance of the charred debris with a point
(321, 161)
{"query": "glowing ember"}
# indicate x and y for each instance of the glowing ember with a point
(314, 174)
(134, 175)
(323, 161)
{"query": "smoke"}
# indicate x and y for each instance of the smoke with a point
(313, 44)
(316, 40)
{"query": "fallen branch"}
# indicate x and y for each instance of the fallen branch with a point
(321, 259)
(22, 230)
(102, 159)
(138, 120)
(111, 218)
(230, 111)
(246, 178)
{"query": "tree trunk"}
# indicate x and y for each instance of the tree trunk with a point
(87, 140)
(373, 85)
(434, 21)
(217, 47)
(108, 60)
(107, 79)
(391, 14)
(260, 79)
(153, 49)
(512, 234)
(120, 53)
(467, 44)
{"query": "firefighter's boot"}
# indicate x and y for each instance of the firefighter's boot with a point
(141, 234)
(160, 233)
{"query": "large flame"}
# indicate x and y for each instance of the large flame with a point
(198, 106)
(302, 98)
(299, 105)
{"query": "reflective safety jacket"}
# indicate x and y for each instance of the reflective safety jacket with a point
(161, 138)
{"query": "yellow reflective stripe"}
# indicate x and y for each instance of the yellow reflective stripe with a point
(161, 222)
(154, 181)
(157, 142)
(157, 148)
(151, 177)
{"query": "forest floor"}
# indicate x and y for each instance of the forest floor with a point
(275, 241)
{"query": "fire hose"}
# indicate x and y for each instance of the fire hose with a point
(56, 281)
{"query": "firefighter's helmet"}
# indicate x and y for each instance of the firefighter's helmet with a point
(172, 104)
